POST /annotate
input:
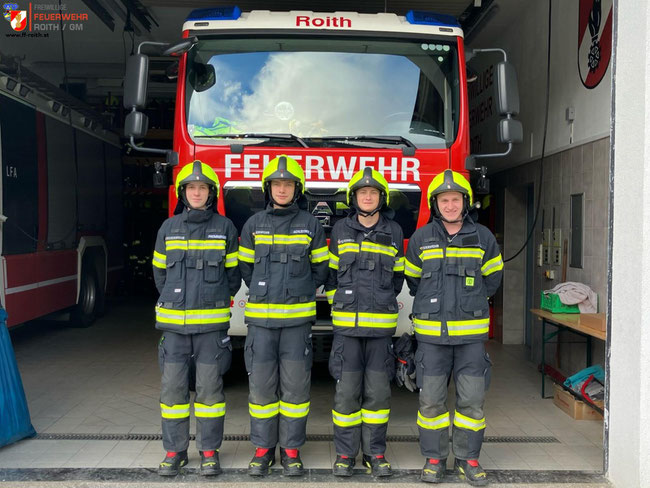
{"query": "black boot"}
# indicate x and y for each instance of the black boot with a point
(261, 462)
(471, 471)
(172, 464)
(343, 466)
(210, 463)
(377, 465)
(433, 470)
(292, 465)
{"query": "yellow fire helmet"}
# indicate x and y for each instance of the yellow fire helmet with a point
(368, 177)
(446, 181)
(283, 167)
(197, 171)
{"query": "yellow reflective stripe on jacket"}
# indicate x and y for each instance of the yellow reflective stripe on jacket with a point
(330, 295)
(246, 255)
(280, 310)
(173, 244)
(198, 244)
(282, 239)
(465, 422)
(264, 411)
(375, 416)
(492, 266)
(319, 255)
(375, 320)
(294, 410)
(411, 269)
(399, 265)
(465, 252)
(204, 316)
(159, 260)
(349, 420)
(468, 327)
(433, 423)
(427, 327)
(231, 260)
(348, 247)
(367, 246)
(436, 253)
(209, 411)
(175, 411)
(334, 261)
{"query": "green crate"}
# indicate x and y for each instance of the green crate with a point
(552, 303)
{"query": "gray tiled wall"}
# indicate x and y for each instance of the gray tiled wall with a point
(582, 169)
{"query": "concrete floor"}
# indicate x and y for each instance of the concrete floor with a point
(105, 380)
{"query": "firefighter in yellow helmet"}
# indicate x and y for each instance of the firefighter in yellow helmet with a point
(196, 272)
(453, 264)
(283, 259)
(366, 275)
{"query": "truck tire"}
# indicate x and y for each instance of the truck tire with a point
(84, 313)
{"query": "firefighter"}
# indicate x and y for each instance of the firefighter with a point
(366, 275)
(195, 270)
(453, 264)
(283, 258)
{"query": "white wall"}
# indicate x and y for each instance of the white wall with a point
(524, 38)
(629, 375)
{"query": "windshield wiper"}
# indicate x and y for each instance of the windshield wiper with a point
(255, 135)
(378, 139)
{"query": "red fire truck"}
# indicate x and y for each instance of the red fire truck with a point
(61, 209)
(335, 91)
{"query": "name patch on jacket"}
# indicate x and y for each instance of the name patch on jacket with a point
(174, 238)
(429, 246)
(302, 231)
(216, 236)
(343, 241)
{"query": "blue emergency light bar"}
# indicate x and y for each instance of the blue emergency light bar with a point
(431, 18)
(215, 13)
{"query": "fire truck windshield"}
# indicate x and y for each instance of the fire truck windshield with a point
(323, 89)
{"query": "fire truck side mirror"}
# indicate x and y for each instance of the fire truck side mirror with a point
(510, 131)
(507, 89)
(135, 82)
(136, 125)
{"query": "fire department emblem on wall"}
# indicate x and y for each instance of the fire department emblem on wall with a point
(594, 40)
(18, 20)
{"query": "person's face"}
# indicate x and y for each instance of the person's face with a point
(450, 205)
(282, 191)
(367, 198)
(197, 194)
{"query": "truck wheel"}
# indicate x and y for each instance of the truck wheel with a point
(83, 314)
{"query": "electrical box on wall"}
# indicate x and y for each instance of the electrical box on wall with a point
(557, 256)
(540, 255)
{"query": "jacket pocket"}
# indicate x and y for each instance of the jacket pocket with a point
(261, 259)
(212, 266)
(175, 266)
(431, 273)
(476, 306)
(387, 264)
(298, 260)
(173, 295)
(346, 263)
(343, 297)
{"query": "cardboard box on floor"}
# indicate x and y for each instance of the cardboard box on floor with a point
(573, 407)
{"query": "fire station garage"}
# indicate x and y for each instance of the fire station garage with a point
(541, 105)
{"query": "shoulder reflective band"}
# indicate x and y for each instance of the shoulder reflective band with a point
(346, 420)
(378, 248)
(433, 423)
(465, 422)
(492, 266)
(348, 247)
(411, 269)
(159, 260)
(282, 239)
(209, 411)
(175, 411)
